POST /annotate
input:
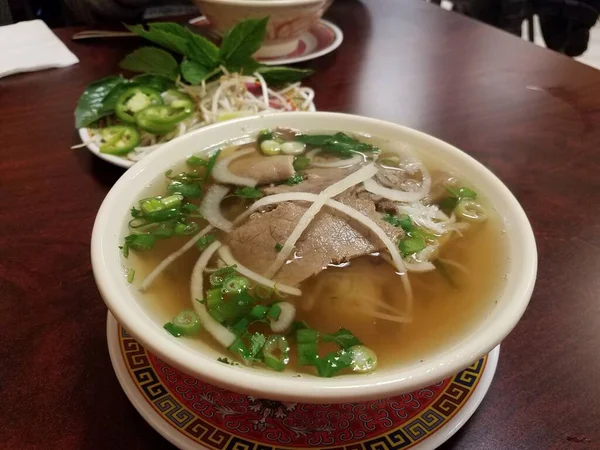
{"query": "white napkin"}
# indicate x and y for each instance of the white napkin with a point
(29, 46)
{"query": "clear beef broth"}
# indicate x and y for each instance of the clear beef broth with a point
(442, 313)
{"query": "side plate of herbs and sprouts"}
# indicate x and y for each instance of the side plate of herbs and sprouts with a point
(322, 253)
(184, 84)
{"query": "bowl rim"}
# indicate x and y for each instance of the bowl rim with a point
(263, 3)
(113, 286)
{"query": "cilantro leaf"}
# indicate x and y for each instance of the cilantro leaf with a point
(166, 34)
(151, 60)
(257, 342)
(297, 178)
(343, 337)
(140, 241)
(205, 241)
(248, 192)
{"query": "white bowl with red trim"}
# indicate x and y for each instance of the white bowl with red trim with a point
(288, 19)
(200, 361)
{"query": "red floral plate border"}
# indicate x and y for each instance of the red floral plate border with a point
(194, 415)
(322, 38)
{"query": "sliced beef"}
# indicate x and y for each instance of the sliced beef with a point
(265, 169)
(391, 178)
(331, 238)
(316, 179)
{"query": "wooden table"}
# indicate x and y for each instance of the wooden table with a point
(529, 114)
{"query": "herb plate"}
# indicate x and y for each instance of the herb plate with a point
(192, 414)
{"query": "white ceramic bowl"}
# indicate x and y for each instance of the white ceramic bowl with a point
(124, 301)
(288, 19)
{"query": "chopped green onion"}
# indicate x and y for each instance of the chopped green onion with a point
(235, 285)
(125, 249)
(259, 312)
(276, 352)
(213, 297)
(172, 201)
(217, 278)
(263, 292)
(189, 208)
(343, 337)
(163, 215)
(301, 162)
(278, 247)
(130, 275)
(307, 346)
(188, 322)
(274, 312)
(232, 310)
(264, 135)
(241, 326)
(205, 241)
(404, 221)
(462, 192)
(140, 241)
(411, 245)
(270, 147)
(240, 348)
(364, 359)
(163, 230)
(174, 330)
(248, 192)
(150, 205)
(297, 178)
(297, 325)
(333, 363)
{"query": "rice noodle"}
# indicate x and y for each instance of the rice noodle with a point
(172, 257)
(356, 215)
(356, 159)
(333, 190)
(222, 174)
(225, 337)
(227, 257)
(210, 208)
(454, 264)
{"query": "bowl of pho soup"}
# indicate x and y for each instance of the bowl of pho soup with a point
(314, 257)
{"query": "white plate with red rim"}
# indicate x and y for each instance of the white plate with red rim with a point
(322, 38)
(194, 415)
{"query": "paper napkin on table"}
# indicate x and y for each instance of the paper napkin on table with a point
(29, 46)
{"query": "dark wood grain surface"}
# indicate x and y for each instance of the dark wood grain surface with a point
(529, 114)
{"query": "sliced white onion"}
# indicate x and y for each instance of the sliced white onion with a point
(223, 336)
(401, 196)
(427, 216)
(222, 174)
(226, 256)
(286, 317)
(333, 190)
(172, 257)
(293, 148)
(356, 215)
(356, 159)
(421, 266)
(210, 208)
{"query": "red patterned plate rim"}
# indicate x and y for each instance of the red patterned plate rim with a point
(195, 415)
(324, 36)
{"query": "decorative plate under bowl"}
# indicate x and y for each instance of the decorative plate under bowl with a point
(194, 415)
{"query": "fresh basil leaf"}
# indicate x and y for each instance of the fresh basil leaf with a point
(248, 67)
(201, 50)
(193, 72)
(151, 60)
(242, 41)
(90, 105)
(166, 34)
(343, 337)
(157, 82)
(280, 75)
